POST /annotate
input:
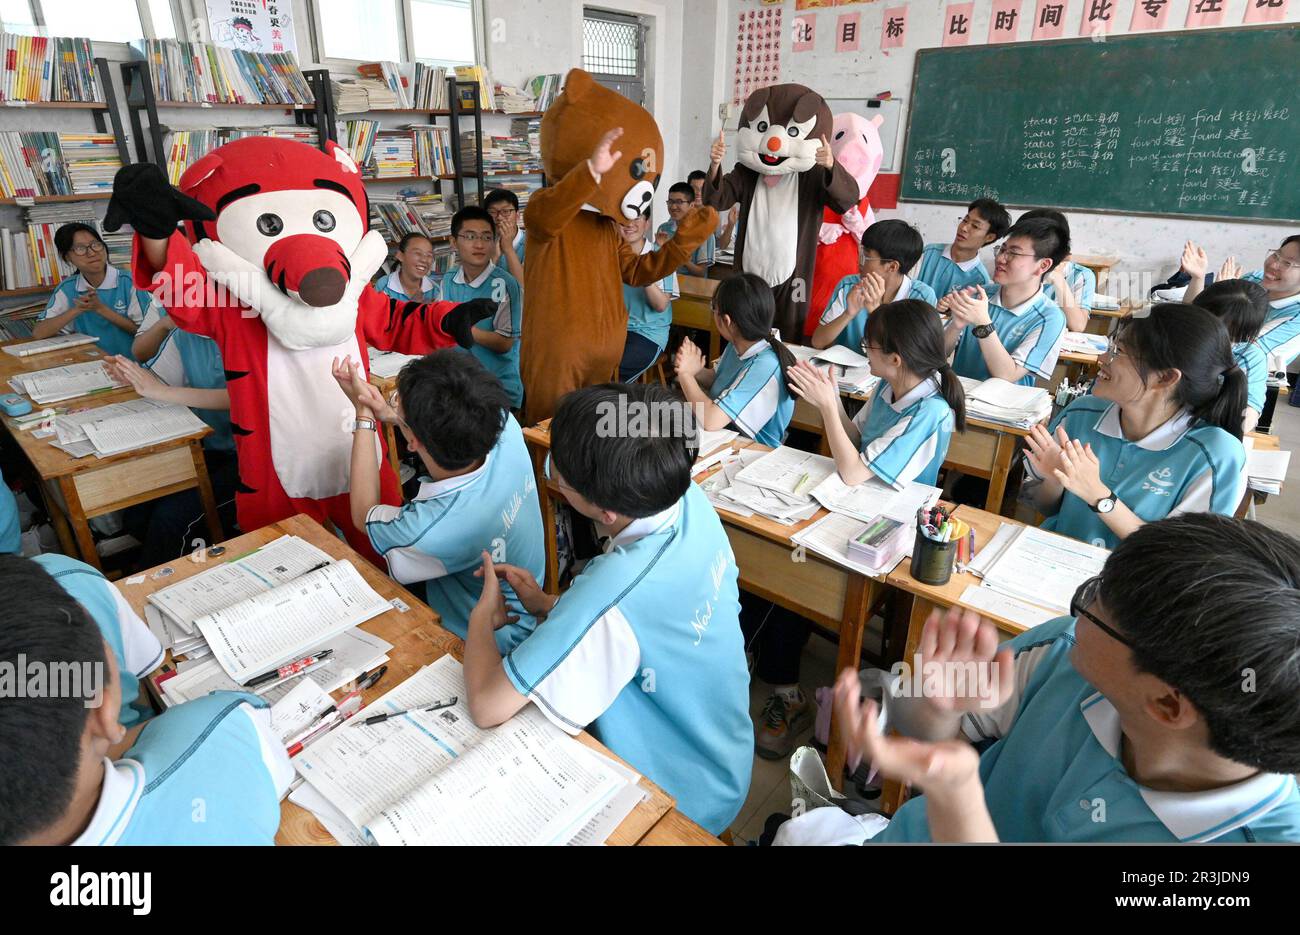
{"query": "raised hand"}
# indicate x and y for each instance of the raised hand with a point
(689, 359)
(1194, 260)
(604, 157)
(1080, 472)
(143, 198)
(718, 151)
(1044, 450)
(815, 385)
(825, 157)
(953, 642)
(1230, 269)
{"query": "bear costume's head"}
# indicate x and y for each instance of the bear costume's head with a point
(285, 207)
(781, 128)
(578, 119)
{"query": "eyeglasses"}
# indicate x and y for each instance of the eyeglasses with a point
(677, 202)
(501, 212)
(1272, 255)
(86, 249)
(977, 226)
(1002, 250)
(1113, 350)
(1083, 598)
(477, 238)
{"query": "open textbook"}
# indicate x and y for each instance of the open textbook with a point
(125, 426)
(66, 382)
(432, 777)
(1037, 566)
(388, 364)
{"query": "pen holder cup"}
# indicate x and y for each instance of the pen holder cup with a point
(932, 561)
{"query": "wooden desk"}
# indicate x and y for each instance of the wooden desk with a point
(694, 309)
(418, 639)
(676, 830)
(1262, 443)
(1074, 366)
(1100, 265)
(387, 386)
(77, 489)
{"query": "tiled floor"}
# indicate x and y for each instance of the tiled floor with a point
(769, 789)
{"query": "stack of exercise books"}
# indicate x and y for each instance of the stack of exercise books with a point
(358, 95)
(1266, 470)
(512, 100)
(186, 147)
(434, 212)
(46, 68)
(91, 160)
(1004, 403)
(386, 87)
(392, 156)
(202, 73)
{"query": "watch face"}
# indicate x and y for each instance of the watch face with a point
(1105, 505)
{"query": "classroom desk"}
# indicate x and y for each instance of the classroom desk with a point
(676, 830)
(1074, 366)
(1263, 442)
(694, 309)
(418, 639)
(771, 567)
(77, 489)
(1100, 265)
(387, 386)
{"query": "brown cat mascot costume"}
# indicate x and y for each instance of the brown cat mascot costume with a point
(575, 322)
(782, 190)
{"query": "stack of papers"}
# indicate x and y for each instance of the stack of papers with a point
(852, 370)
(388, 364)
(67, 382)
(1266, 470)
(1036, 567)
(1006, 403)
(1105, 302)
(852, 508)
(1077, 342)
(57, 343)
(432, 777)
(776, 484)
(136, 423)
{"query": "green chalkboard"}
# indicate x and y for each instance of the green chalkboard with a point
(1202, 123)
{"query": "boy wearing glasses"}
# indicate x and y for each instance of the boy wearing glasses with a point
(100, 300)
(945, 267)
(681, 198)
(1013, 331)
(478, 494)
(496, 339)
(1165, 709)
(508, 251)
(1279, 338)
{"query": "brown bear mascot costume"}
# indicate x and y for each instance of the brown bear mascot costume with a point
(785, 175)
(602, 155)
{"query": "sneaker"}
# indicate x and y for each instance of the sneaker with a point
(783, 719)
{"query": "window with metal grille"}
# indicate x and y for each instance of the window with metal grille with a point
(611, 45)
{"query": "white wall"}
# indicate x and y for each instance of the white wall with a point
(1146, 245)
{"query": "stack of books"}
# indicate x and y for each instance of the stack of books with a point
(352, 95)
(394, 219)
(433, 154)
(358, 138)
(91, 159)
(1004, 403)
(393, 155)
(16, 322)
(434, 213)
(44, 68)
(186, 147)
(198, 73)
(428, 86)
(479, 75)
(386, 75)
(512, 100)
(544, 89)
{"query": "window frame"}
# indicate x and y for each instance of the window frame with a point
(406, 41)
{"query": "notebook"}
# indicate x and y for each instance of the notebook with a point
(59, 342)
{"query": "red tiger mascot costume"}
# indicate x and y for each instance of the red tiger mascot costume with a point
(274, 265)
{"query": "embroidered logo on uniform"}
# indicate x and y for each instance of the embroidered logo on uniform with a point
(1158, 482)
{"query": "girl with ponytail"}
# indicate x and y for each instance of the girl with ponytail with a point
(902, 435)
(748, 389)
(1159, 436)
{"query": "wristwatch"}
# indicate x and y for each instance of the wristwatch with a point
(1105, 504)
(983, 331)
(360, 424)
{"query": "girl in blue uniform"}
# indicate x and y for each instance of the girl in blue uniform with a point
(1159, 436)
(748, 386)
(1242, 306)
(100, 300)
(902, 435)
(410, 281)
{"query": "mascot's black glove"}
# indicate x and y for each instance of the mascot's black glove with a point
(459, 322)
(143, 198)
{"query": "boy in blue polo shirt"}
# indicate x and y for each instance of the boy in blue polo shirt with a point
(11, 533)
(649, 309)
(100, 300)
(496, 339)
(410, 281)
(645, 646)
(889, 250)
(1166, 709)
(1014, 330)
(509, 249)
(206, 772)
(681, 198)
(1279, 338)
(945, 267)
(480, 491)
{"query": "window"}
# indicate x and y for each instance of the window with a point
(362, 30)
(16, 16)
(443, 31)
(613, 50)
(102, 20)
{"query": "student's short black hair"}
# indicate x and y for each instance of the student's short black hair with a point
(1211, 606)
(499, 195)
(682, 188)
(63, 236)
(1294, 238)
(1240, 304)
(471, 213)
(1050, 240)
(697, 175)
(895, 240)
(41, 737)
(626, 448)
(453, 405)
(409, 237)
(996, 216)
(1057, 217)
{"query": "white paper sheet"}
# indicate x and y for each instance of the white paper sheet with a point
(788, 471)
(991, 601)
(874, 498)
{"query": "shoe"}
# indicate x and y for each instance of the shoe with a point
(782, 720)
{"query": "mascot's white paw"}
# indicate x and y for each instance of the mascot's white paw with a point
(829, 233)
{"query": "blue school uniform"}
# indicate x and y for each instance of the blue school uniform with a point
(391, 286)
(1055, 772)
(11, 533)
(906, 440)
(440, 536)
(193, 360)
(117, 292)
(1184, 466)
(1031, 332)
(521, 244)
(496, 284)
(1254, 362)
(942, 273)
(856, 330)
(1279, 338)
(646, 648)
(209, 771)
(749, 389)
(642, 319)
(134, 646)
(1082, 282)
(705, 254)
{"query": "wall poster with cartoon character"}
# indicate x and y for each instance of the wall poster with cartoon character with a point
(252, 25)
